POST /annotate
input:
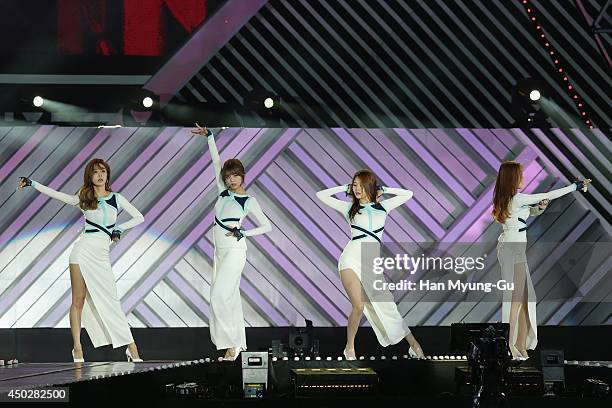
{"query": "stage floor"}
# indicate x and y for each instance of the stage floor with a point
(36, 375)
(174, 357)
(433, 376)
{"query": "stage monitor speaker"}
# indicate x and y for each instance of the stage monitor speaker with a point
(553, 371)
(254, 373)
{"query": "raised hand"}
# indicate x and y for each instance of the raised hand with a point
(202, 131)
(582, 184)
(115, 235)
(236, 232)
(24, 181)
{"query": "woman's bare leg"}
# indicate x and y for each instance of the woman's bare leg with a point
(79, 290)
(352, 286)
(523, 328)
(414, 345)
(133, 350)
(518, 319)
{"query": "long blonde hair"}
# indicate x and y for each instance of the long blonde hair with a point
(506, 186)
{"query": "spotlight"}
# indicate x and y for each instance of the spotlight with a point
(527, 96)
(38, 101)
(147, 102)
(263, 108)
(142, 107)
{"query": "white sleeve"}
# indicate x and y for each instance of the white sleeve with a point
(137, 217)
(529, 199)
(264, 223)
(336, 204)
(401, 196)
(67, 198)
(216, 161)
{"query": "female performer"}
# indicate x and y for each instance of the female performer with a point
(94, 292)
(233, 204)
(366, 216)
(511, 209)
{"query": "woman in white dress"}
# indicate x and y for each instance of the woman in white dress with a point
(511, 209)
(226, 322)
(366, 215)
(94, 292)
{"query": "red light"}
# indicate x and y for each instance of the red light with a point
(546, 45)
(575, 96)
(588, 121)
(529, 10)
(565, 78)
(580, 105)
(556, 61)
(570, 87)
(542, 36)
(539, 27)
(532, 18)
(583, 113)
(591, 127)
(552, 52)
(560, 69)
(524, 1)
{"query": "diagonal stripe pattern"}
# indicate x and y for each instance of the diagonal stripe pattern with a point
(163, 268)
(401, 63)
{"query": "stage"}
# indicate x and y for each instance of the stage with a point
(398, 377)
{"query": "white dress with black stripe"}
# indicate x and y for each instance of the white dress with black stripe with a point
(511, 254)
(102, 316)
(226, 319)
(366, 229)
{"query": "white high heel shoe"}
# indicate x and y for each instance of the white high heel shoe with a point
(517, 355)
(349, 357)
(229, 357)
(413, 354)
(130, 358)
(77, 360)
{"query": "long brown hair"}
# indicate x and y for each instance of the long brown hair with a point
(506, 186)
(231, 167)
(368, 187)
(87, 194)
